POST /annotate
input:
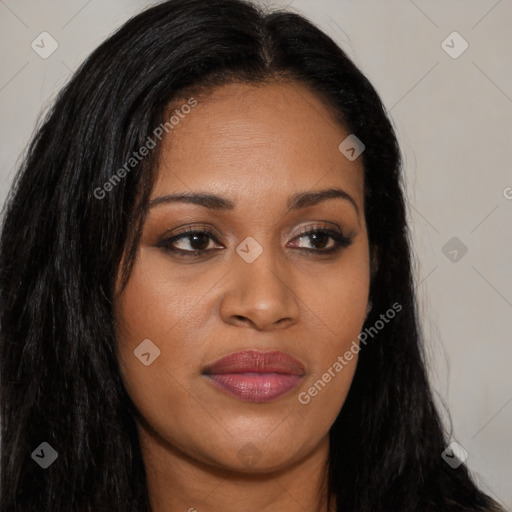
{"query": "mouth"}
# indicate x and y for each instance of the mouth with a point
(254, 376)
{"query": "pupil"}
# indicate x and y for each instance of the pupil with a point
(316, 237)
(203, 241)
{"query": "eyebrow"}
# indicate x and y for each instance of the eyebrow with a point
(215, 202)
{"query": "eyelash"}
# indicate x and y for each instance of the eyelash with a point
(340, 241)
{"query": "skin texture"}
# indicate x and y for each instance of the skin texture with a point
(256, 146)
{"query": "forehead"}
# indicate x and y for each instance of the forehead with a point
(257, 138)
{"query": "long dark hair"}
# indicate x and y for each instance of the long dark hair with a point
(62, 246)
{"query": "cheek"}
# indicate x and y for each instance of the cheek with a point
(154, 307)
(152, 304)
(166, 305)
(178, 312)
(338, 297)
(339, 303)
(161, 305)
(170, 309)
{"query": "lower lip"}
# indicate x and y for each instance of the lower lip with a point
(255, 387)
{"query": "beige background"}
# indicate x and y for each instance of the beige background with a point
(453, 118)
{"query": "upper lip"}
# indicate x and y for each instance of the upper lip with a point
(255, 361)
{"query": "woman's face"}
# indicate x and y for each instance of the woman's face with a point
(254, 283)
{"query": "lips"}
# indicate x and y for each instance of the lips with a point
(255, 376)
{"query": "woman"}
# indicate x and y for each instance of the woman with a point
(206, 291)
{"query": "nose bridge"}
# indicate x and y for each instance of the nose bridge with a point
(261, 289)
(264, 276)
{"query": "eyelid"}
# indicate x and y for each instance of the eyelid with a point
(341, 240)
(206, 228)
(320, 225)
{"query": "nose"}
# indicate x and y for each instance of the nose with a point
(260, 295)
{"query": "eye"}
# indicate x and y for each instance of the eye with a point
(198, 241)
(192, 241)
(319, 239)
